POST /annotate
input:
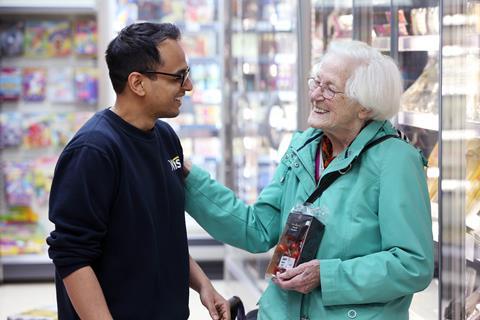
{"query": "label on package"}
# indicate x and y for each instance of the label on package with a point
(286, 262)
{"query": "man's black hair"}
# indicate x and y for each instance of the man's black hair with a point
(135, 49)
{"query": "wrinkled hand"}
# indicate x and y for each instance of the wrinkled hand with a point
(303, 278)
(217, 306)
(187, 166)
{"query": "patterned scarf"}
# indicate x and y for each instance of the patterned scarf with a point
(327, 155)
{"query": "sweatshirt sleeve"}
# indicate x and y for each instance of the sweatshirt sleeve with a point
(82, 191)
(405, 263)
(217, 209)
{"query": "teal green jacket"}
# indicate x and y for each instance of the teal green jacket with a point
(377, 249)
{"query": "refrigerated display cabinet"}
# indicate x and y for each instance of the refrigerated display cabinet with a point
(262, 104)
(436, 46)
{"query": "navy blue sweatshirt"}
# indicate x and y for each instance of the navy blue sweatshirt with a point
(117, 202)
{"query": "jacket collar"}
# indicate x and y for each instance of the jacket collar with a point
(300, 156)
(305, 145)
(372, 131)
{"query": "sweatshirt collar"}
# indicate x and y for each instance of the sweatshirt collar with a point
(127, 127)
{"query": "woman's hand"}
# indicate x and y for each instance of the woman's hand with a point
(303, 278)
(217, 306)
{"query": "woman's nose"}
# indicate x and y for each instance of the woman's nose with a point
(317, 94)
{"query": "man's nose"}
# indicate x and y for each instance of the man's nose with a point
(188, 85)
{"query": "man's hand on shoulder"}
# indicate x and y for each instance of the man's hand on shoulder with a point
(187, 166)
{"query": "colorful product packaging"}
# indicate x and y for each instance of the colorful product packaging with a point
(298, 243)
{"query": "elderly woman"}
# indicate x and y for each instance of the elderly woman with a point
(377, 248)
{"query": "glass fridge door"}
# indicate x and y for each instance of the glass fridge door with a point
(409, 33)
(459, 163)
(262, 107)
(263, 86)
(331, 20)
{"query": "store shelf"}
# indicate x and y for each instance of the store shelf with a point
(205, 248)
(283, 95)
(38, 267)
(474, 127)
(264, 27)
(198, 131)
(425, 303)
(50, 62)
(472, 247)
(204, 60)
(472, 219)
(427, 43)
(419, 120)
(42, 114)
(254, 287)
(202, 246)
(430, 121)
(278, 58)
(27, 267)
(47, 6)
(409, 43)
(435, 225)
(472, 48)
(15, 154)
(193, 27)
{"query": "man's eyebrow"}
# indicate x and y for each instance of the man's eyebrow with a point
(183, 69)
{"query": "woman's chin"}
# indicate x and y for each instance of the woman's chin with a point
(316, 121)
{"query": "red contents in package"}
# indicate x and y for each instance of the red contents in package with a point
(298, 244)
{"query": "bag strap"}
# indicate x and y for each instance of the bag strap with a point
(330, 177)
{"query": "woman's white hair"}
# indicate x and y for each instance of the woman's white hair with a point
(375, 81)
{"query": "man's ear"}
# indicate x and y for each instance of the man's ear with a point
(135, 83)
(365, 113)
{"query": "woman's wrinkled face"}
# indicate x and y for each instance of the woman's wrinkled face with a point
(339, 113)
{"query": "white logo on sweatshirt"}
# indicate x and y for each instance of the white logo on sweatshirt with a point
(175, 163)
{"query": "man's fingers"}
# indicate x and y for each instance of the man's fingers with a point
(224, 310)
(213, 314)
(212, 310)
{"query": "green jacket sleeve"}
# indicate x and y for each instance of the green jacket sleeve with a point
(404, 265)
(254, 228)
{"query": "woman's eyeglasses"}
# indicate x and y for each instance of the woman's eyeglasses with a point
(327, 92)
(181, 77)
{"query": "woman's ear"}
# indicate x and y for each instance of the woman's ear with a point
(365, 113)
(135, 83)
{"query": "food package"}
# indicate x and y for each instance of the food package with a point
(298, 243)
(422, 95)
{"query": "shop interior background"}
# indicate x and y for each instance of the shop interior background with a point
(250, 60)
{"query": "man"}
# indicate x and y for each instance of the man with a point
(117, 200)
